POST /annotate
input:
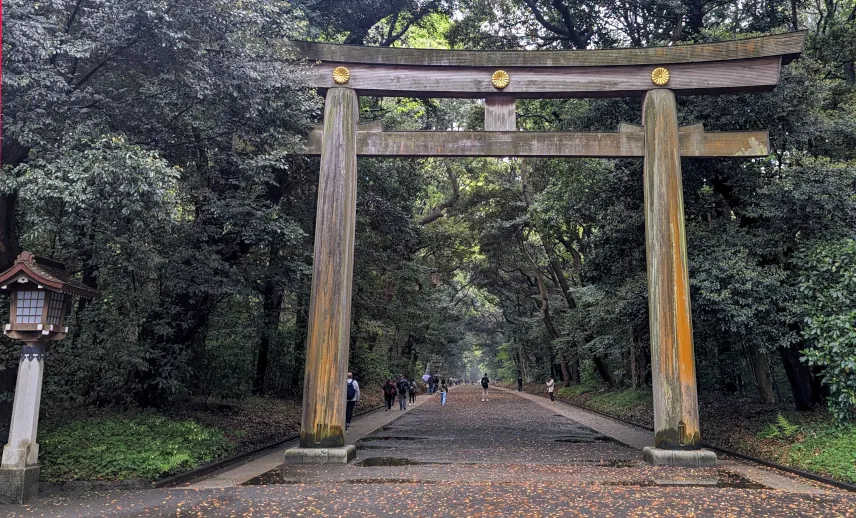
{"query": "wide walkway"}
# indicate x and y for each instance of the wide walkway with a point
(515, 455)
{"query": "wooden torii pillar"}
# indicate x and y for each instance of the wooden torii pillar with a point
(656, 75)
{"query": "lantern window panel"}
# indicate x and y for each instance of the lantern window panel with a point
(55, 308)
(30, 306)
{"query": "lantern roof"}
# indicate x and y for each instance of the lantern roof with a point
(46, 272)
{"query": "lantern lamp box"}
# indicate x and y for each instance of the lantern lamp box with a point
(40, 291)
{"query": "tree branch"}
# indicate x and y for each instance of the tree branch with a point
(580, 41)
(438, 211)
(543, 21)
(87, 76)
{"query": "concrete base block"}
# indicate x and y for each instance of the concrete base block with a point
(341, 455)
(19, 485)
(681, 458)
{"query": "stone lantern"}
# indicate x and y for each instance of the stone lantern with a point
(40, 292)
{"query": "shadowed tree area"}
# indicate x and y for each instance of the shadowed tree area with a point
(154, 148)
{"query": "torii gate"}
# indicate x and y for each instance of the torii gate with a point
(655, 74)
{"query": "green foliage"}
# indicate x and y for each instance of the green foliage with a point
(827, 449)
(828, 289)
(820, 447)
(122, 446)
(618, 402)
(576, 390)
(782, 428)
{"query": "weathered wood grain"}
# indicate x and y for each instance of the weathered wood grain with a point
(676, 424)
(696, 143)
(747, 75)
(788, 45)
(627, 143)
(322, 424)
(500, 113)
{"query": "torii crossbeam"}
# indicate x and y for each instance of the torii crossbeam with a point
(655, 74)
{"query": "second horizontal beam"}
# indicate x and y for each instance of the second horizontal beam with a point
(623, 144)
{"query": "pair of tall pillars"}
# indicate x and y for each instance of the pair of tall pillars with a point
(677, 438)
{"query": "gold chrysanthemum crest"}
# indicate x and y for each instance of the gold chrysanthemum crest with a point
(500, 79)
(660, 76)
(341, 75)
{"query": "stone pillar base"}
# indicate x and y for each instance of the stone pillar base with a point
(680, 458)
(19, 485)
(341, 455)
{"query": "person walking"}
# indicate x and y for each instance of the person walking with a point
(551, 386)
(485, 382)
(353, 397)
(443, 391)
(411, 391)
(402, 386)
(388, 394)
(519, 383)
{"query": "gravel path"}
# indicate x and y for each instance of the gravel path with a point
(510, 456)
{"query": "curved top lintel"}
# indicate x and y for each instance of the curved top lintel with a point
(788, 45)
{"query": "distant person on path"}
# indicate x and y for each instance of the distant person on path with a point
(485, 381)
(388, 393)
(443, 391)
(402, 387)
(411, 391)
(353, 395)
(551, 385)
(519, 383)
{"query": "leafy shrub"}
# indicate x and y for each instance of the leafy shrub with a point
(828, 287)
(119, 447)
(782, 428)
(576, 390)
(620, 401)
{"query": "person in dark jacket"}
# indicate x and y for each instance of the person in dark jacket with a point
(388, 393)
(401, 385)
(485, 383)
(411, 391)
(353, 387)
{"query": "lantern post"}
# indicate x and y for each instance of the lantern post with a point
(40, 292)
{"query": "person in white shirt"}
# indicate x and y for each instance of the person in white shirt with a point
(551, 385)
(353, 395)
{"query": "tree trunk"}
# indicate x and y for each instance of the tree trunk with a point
(566, 372)
(635, 375)
(794, 18)
(13, 154)
(850, 73)
(9, 250)
(798, 376)
(819, 391)
(301, 328)
(603, 370)
(9, 247)
(542, 291)
(575, 371)
(761, 369)
(271, 308)
(560, 274)
(696, 22)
